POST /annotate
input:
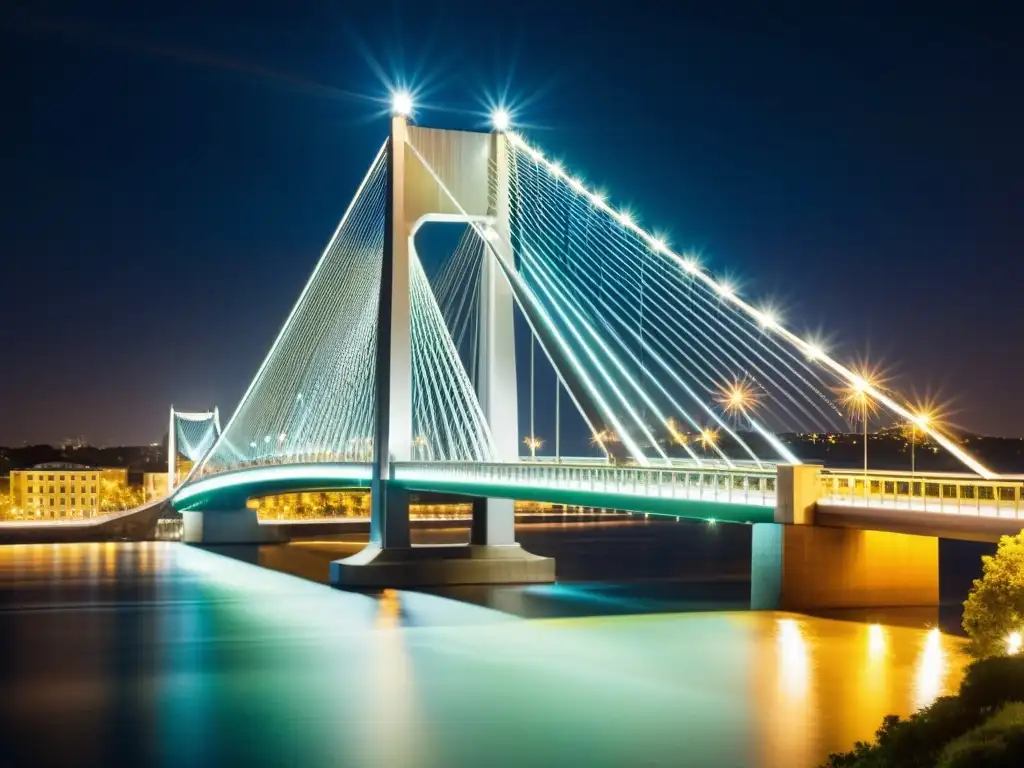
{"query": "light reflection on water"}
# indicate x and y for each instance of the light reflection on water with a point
(163, 653)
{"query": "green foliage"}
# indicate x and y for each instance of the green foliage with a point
(911, 743)
(992, 682)
(995, 605)
(996, 743)
(993, 685)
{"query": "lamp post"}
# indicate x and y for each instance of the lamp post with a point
(922, 420)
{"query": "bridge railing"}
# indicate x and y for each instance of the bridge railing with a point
(936, 493)
(721, 485)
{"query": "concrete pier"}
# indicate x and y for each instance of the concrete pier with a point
(229, 526)
(806, 567)
(447, 565)
(797, 564)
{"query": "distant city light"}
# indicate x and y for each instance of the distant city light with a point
(401, 103)
(501, 120)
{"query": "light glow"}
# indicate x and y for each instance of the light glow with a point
(813, 350)
(768, 320)
(401, 103)
(501, 120)
(1013, 643)
(737, 398)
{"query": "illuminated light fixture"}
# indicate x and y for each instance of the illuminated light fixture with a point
(576, 185)
(725, 290)
(625, 219)
(556, 169)
(516, 139)
(401, 103)
(658, 245)
(501, 120)
(813, 350)
(691, 265)
(535, 154)
(922, 419)
(598, 200)
(859, 384)
(1013, 643)
(768, 320)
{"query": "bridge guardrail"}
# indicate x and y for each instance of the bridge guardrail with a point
(923, 493)
(722, 485)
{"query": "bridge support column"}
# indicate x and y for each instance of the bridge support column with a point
(494, 522)
(228, 526)
(797, 565)
(492, 556)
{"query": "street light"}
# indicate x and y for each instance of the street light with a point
(921, 419)
(533, 443)
(708, 438)
(857, 394)
(737, 398)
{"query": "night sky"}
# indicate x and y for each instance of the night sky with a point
(172, 171)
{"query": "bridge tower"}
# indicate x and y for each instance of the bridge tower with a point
(471, 187)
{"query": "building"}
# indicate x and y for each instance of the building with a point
(66, 490)
(154, 485)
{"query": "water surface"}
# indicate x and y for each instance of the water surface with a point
(162, 654)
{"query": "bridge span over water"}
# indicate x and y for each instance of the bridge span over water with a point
(402, 376)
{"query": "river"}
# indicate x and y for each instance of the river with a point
(643, 655)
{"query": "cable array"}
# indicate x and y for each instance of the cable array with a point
(195, 433)
(757, 360)
(448, 424)
(313, 397)
(456, 286)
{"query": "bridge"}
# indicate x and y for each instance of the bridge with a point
(400, 376)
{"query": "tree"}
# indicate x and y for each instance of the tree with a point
(995, 606)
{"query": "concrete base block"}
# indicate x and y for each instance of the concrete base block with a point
(447, 565)
(807, 567)
(230, 526)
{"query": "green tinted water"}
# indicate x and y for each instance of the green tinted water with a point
(161, 654)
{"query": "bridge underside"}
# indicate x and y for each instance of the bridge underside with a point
(231, 490)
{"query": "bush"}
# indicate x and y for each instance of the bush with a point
(994, 685)
(995, 605)
(911, 743)
(992, 682)
(996, 743)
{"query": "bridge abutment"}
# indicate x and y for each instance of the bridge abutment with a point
(491, 557)
(797, 565)
(228, 526)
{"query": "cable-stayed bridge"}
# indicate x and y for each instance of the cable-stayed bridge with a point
(401, 377)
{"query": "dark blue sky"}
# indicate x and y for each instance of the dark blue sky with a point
(172, 171)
